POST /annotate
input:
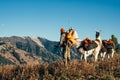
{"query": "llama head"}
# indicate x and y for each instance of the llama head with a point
(97, 34)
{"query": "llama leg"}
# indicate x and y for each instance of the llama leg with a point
(112, 53)
(108, 55)
(81, 56)
(104, 55)
(81, 51)
(85, 56)
(101, 55)
(96, 56)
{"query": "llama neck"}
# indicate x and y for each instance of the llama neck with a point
(98, 38)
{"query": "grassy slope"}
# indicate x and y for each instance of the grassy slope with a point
(108, 69)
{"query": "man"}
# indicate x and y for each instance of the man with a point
(62, 43)
(66, 44)
(62, 37)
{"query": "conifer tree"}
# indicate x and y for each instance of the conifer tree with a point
(115, 40)
(117, 46)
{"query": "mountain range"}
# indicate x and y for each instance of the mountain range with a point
(30, 50)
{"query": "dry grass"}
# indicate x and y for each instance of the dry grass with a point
(108, 69)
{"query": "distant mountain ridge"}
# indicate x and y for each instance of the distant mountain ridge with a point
(20, 50)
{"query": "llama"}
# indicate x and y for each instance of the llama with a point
(95, 51)
(84, 53)
(108, 49)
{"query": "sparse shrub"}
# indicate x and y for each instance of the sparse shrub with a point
(117, 72)
(107, 77)
(48, 77)
(118, 48)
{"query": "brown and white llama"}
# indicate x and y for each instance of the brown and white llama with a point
(108, 49)
(92, 51)
(95, 51)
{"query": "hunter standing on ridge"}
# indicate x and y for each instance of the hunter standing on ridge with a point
(66, 42)
(62, 40)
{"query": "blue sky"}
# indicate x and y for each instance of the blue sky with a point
(44, 18)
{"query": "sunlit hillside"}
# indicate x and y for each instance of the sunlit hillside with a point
(108, 69)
